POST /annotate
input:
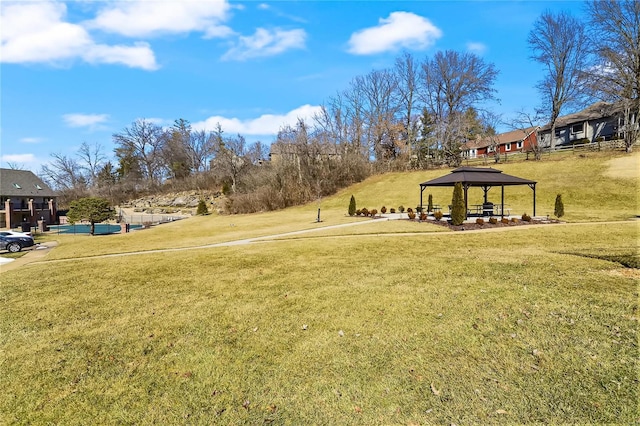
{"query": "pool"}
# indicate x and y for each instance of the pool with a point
(100, 228)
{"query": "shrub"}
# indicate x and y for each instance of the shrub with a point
(365, 212)
(514, 220)
(423, 216)
(458, 213)
(526, 218)
(493, 220)
(383, 210)
(430, 203)
(419, 209)
(409, 210)
(558, 211)
(358, 212)
(504, 220)
(392, 210)
(352, 206)
(411, 214)
(401, 209)
(202, 209)
(373, 212)
(437, 215)
(480, 221)
(226, 188)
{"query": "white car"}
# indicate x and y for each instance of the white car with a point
(15, 234)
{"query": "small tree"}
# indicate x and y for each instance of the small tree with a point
(458, 213)
(558, 211)
(430, 204)
(202, 208)
(92, 209)
(352, 206)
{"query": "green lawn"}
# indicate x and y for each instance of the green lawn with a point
(381, 323)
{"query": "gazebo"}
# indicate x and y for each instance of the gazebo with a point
(483, 177)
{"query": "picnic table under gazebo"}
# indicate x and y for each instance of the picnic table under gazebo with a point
(482, 177)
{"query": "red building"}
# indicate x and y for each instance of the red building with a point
(504, 143)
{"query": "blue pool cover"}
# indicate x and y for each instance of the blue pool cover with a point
(101, 228)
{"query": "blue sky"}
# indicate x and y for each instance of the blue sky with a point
(79, 71)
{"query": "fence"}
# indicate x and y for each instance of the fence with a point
(519, 156)
(149, 218)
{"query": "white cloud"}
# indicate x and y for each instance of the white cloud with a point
(162, 122)
(151, 18)
(92, 121)
(35, 32)
(139, 55)
(477, 48)
(19, 159)
(399, 30)
(266, 43)
(266, 124)
(31, 140)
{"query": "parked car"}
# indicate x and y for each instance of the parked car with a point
(15, 234)
(14, 244)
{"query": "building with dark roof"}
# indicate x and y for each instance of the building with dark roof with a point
(25, 198)
(600, 121)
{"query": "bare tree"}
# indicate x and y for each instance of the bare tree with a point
(524, 121)
(140, 146)
(92, 159)
(406, 70)
(559, 43)
(615, 37)
(230, 158)
(201, 149)
(65, 175)
(453, 82)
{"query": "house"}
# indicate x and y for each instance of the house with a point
(25, 198)
(514, 141)
(601, 121)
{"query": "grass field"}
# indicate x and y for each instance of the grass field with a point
(395, 324)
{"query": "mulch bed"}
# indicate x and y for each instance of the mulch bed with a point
(487, 224)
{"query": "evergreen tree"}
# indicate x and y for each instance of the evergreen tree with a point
(430, 204)
(458, 213)
(202, 208)
(559, 209)
(352, 206)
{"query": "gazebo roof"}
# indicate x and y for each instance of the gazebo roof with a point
(477, 176)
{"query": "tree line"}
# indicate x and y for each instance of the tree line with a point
(415, 114)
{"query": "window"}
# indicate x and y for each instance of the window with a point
(507, 146)
(15, 185)
(490, 149)
(577, 128)
(38, 187)
(519, 145)
(558, 133)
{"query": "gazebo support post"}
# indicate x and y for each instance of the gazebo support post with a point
(422, 188)
(466, 208)
(486, 189)
(533, 186)
(502, 202)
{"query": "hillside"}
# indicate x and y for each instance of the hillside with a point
(392, 323)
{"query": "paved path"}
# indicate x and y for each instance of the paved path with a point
(37, 256)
